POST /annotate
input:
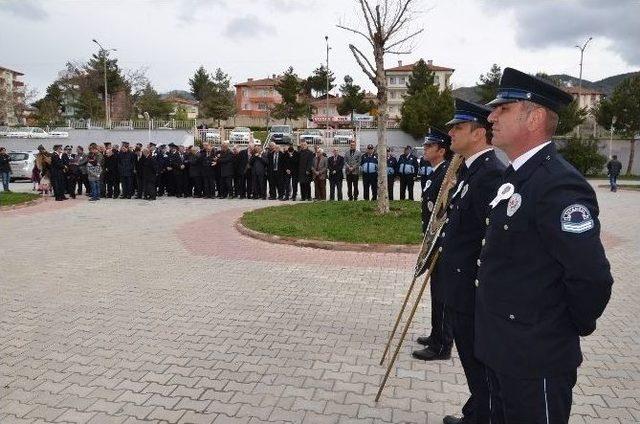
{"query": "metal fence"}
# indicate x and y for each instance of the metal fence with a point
(154, 124)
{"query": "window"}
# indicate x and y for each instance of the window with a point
(246, 106)
(392, 94)
(262, 106)
(392, 80)
(401, 80)
(436, 80)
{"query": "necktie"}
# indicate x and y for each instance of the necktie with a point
(508, 173)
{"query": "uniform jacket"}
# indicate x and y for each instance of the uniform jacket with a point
(126, 163)
(424, 168)
(430, 192)
(320, 167)
(353, 159)
(369, 164)
(392, 166)
(305, 165)
(461, 236)
(408, 165)
(335, 165)
(543, 278)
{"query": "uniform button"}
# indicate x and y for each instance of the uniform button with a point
(506, 227)
(484, 242)
(458, 270)
(446, 221)
(477, 283)
(479, 262)
(486, 221)
(442, 234)
(512, 316)
(440, 249)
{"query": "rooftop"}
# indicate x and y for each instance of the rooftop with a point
(2, 68)
(409, 67)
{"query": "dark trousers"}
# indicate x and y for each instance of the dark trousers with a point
(226, 186)
(112, 183)
(196, 183)
(335, 184)
(161, 183)
(531, 401)
(139, 186)
(370, 184)
(406, 184)
(390, 181)
(294, 186)
(180, 182)
(209, 186)
(441, 337)
(70, 184)
(273, 184)
(259, 187)
(58, 183)
(239, 185)
(305, 190)
(127, 186)
(149, 188)
(83, 180)
(476, 409)
(352, 186)
(613, 182)
(287, 186)
(320, 185)
(248, 188)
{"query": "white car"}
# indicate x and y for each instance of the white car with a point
(211, 134)
(58, 133)
(311, 136)
(21, 164)
(28, 132)
(343, 137)
(240, 135)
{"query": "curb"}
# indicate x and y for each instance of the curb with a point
(326, 245)
(24, 204)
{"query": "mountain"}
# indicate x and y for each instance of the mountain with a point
(606, 85)
(178, 93)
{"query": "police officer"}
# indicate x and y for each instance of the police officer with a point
(437, 151)
(424, 168)
(459, 244)
(407, 171)
(543, 277)
(369, 165)
(392, 170)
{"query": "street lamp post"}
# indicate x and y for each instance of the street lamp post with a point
(326, 39)
(613, 122)
(107, 114)
(584, 46)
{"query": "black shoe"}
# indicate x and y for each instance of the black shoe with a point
(424, 341)
(452, 419)
(427, 354)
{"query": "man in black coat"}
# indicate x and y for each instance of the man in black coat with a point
(57, 173)
(291, 164)
(207, 158)
(543, 277)
(138, 172)
(194, 161)
(225, 162)
(392, 171)
(126, 164)
(71, 171)
(275, 172)
(336, 174)
(613, 171)
(148, 171)
(305, 167)
(459, 243)
(241, 166)
(177, 171)
(258, 165)
(407, 171)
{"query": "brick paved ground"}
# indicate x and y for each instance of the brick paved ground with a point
(128, 311)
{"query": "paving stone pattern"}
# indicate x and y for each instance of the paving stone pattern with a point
(129, 311)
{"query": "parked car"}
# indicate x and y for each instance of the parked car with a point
(4, 131)
(240, 135)
(212, 134)
(21, 164)
(311, 136)
(59, 133)
(281, 134)
(343, 137)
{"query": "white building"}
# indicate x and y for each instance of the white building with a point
(11, 93)
(398, 77)
(586, 97)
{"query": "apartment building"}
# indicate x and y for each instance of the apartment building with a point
(255, 97)
(11, 96)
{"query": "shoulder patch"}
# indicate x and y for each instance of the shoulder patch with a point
(576, 219)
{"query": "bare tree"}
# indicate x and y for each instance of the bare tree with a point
(387, 31)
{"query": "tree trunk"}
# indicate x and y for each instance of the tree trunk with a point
(632, 151)
(381, 85)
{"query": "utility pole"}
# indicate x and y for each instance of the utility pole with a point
(326, 39)
(107, 112)
(584, 46)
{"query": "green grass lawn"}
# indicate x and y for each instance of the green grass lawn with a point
(352, 222)
(11, 198)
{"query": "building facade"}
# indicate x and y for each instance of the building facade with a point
(256, 97)
(11, 97)
(398, 77)
(189, 106)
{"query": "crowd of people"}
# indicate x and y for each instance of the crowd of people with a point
(278, 172)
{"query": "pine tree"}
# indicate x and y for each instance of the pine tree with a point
(487, 88)
(421, 77)
(200, 84)
(353, 99)
(425, 109)
(219, 101)
(151, 103)
(289, 88)
(317, 82)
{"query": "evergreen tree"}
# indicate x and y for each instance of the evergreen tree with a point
(353, 99)
(219, 101)
(289, 88)
(624, 105)
(50, 106)
(487, 88)
(421, 77)
(317, 82)
(151, 103)
(200, 84)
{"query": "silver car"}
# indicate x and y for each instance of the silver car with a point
(21, 164)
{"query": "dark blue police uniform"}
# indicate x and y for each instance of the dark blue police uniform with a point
(392, 170)
(424, 169)
(369, 166)
(407, 171)
(543, 278)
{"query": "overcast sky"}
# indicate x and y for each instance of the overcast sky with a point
(261, 37)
